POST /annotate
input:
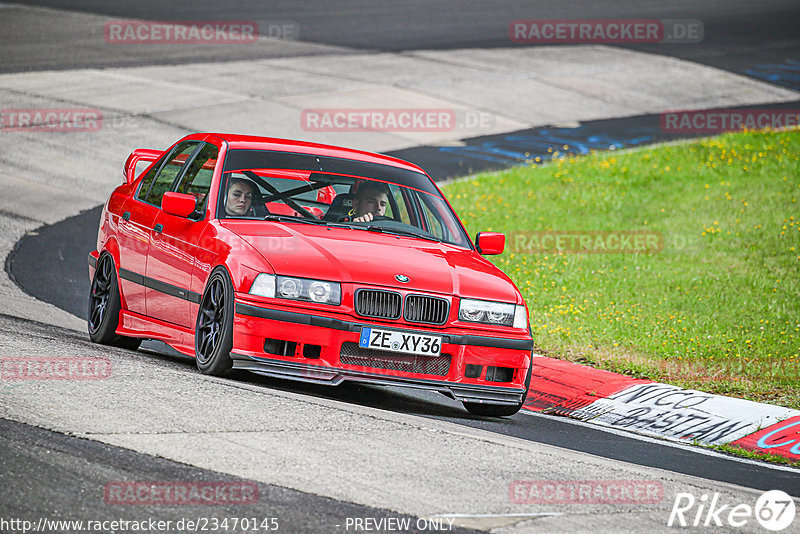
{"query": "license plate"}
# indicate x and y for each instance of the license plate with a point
(423, 344)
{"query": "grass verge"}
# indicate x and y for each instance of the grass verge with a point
(712, 299)
(753, 455)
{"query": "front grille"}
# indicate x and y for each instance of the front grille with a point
(375, 303)
(352, 354)
(422, 309)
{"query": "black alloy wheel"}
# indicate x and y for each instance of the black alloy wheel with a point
(213, 338)
(104, 307)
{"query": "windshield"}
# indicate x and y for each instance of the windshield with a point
(397, 202)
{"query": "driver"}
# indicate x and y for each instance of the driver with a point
(239, 199)
(370, 202)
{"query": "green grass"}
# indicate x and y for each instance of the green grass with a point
(753, 455)
(716, 309)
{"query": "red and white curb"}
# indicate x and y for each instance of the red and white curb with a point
(661, 410)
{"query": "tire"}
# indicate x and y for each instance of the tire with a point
(500, 410)
(213, 333)
(104, 307)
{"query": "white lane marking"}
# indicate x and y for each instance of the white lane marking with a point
(520, 514)
(665, 442)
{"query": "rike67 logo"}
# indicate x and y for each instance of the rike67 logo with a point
(773, 510)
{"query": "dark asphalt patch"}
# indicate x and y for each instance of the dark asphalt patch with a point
(50, 263)
(50, 475)
(735, 35)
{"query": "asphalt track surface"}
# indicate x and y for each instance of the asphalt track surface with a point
(739, 37)
(79, 470)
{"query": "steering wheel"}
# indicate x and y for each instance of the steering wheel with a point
(349, 218)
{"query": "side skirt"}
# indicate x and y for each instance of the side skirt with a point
(135, 325)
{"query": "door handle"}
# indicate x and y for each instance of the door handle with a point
(126, 216)
(158, 228)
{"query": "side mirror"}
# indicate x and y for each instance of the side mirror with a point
(147, 155)
(178, 204)
(490, 243)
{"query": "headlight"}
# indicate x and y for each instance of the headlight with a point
(289, 287)
(320, 291)
(484, 311)
(520, 317)
(263, 285)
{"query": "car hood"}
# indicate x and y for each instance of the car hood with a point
(371, 258)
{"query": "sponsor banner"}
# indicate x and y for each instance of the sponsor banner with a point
(728, 120)
(560, 387)
(50, 119)
(586, 492)
(544, 31)
(682, 414)
(781, 438)
(175, 493)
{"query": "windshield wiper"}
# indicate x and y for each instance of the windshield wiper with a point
(403, 232)
(290, 218)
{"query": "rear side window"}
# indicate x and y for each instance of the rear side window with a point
(166, 176)
(147, 181)
(197, 178)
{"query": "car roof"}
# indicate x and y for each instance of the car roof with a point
(252, 142)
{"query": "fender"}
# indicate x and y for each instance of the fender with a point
(242, 268)
(112, 247)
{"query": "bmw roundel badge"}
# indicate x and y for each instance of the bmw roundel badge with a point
(401, 278)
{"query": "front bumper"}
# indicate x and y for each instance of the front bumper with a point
(335, 376)
(254, 325)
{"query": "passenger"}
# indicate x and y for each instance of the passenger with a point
(239, 200)
(370, 202)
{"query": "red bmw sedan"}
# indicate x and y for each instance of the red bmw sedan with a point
(307, 262)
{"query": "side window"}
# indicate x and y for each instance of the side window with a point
(148, 179)
(197, 178)
(166, 177)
